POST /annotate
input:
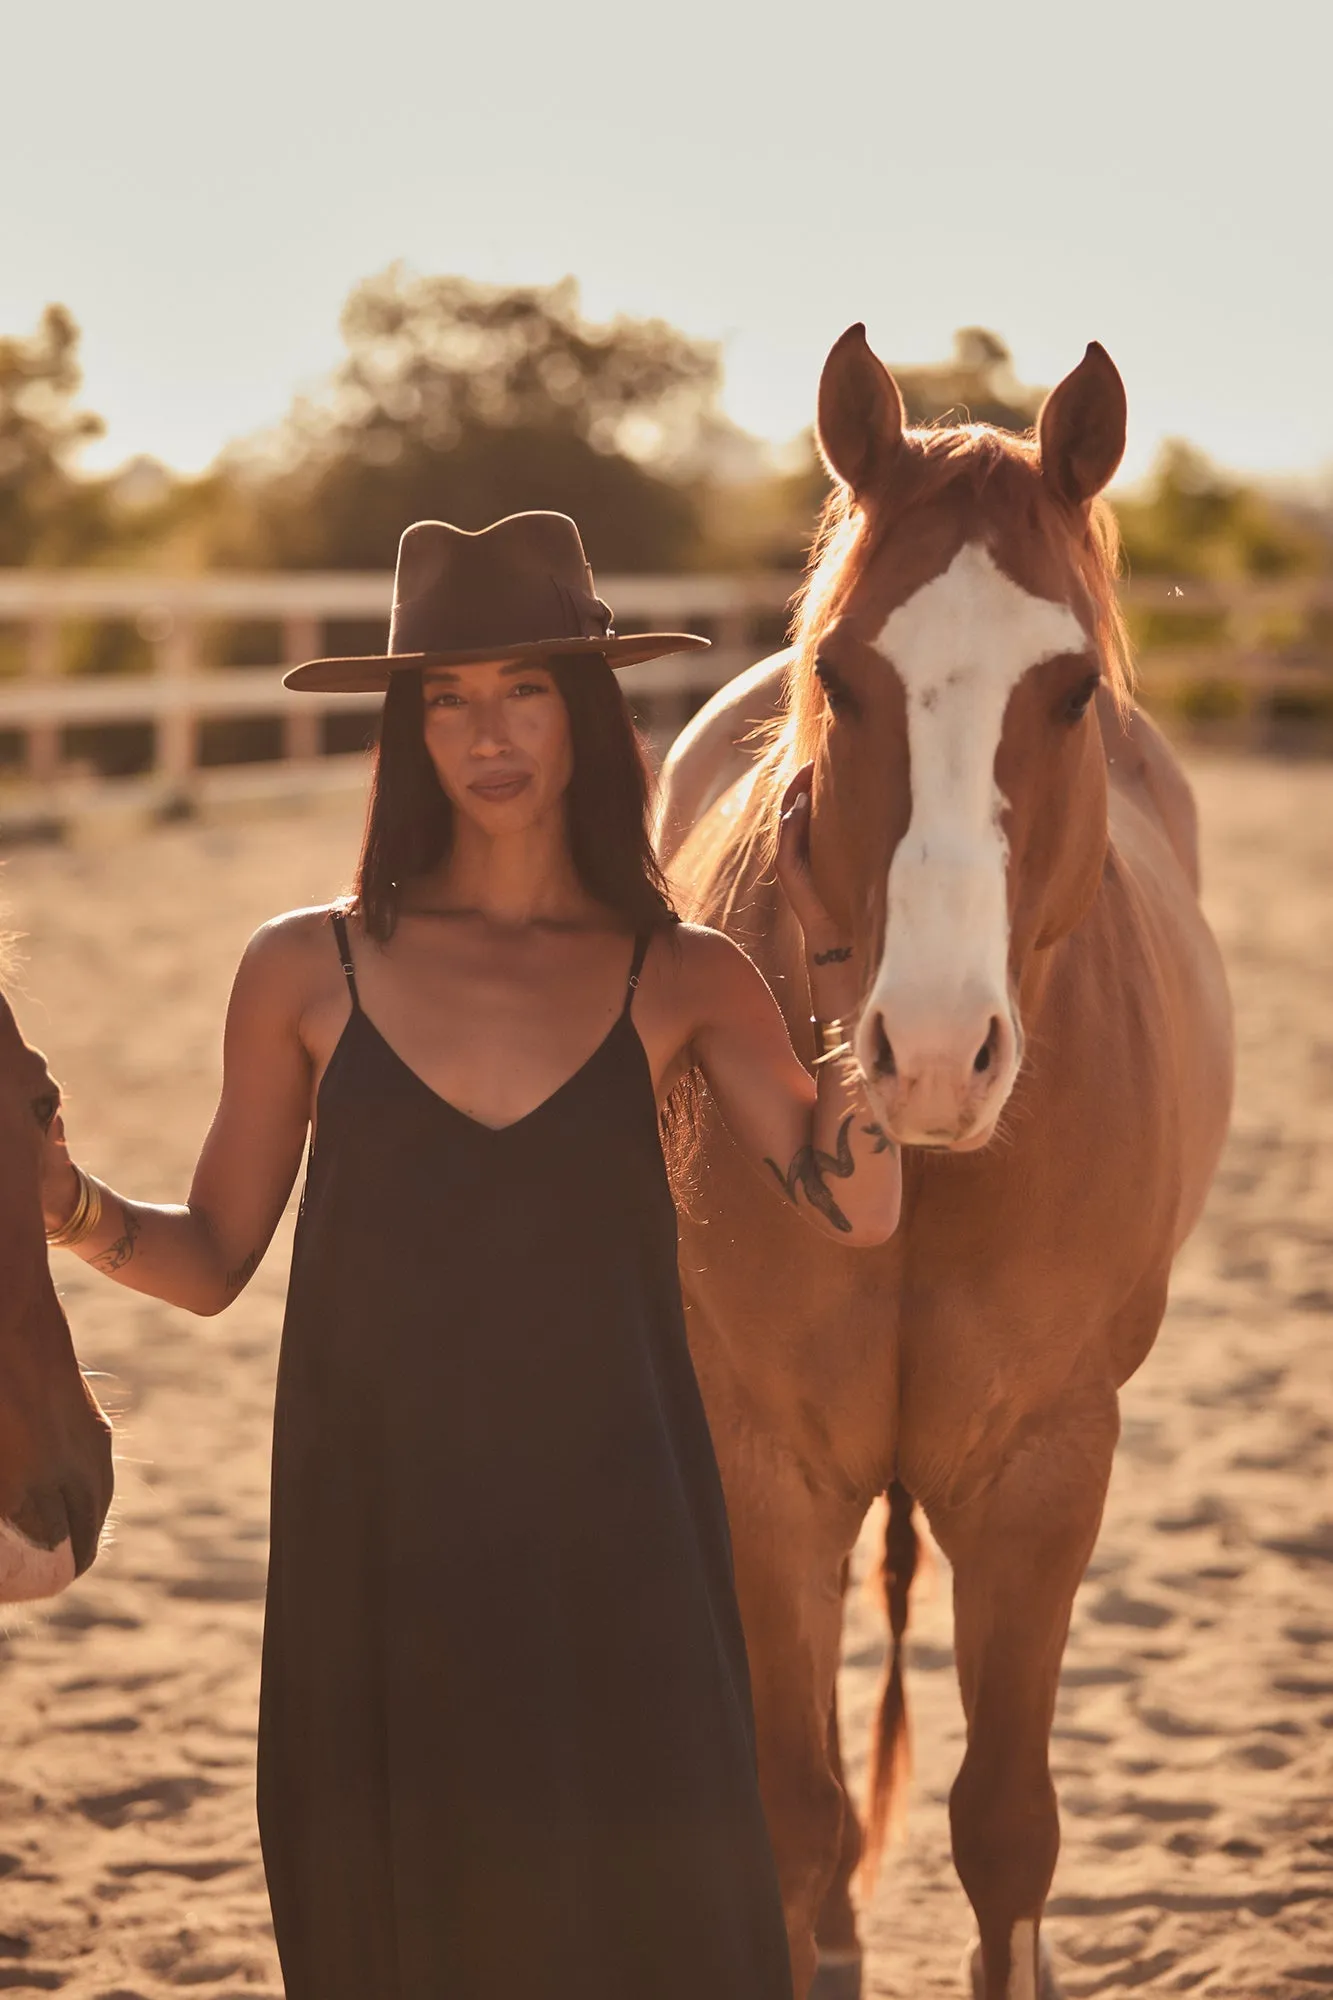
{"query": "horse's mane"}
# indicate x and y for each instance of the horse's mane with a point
(975, 459)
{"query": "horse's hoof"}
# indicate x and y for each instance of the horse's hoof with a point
(837, 1977)
(1048, 1988)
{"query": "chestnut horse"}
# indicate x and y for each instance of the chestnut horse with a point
(55, 1443)
(1009, 848)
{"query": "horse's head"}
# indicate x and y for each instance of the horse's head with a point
(953, 636)
(55, 1449)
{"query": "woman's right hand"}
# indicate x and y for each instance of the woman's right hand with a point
(59, 1183)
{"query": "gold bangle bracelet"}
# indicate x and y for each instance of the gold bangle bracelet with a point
(83, 1219)
(832, 1038)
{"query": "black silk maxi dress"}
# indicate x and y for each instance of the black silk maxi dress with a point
(506, 1744)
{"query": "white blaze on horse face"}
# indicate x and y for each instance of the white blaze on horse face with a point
(959, 645)
(27, 1571)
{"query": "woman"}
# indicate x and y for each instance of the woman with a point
(506, 1745)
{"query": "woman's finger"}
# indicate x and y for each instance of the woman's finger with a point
(800, 781)
(793, 828)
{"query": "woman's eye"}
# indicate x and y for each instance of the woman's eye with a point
(839, 696)
(444, 700)
(529, 687)
(1077, 702)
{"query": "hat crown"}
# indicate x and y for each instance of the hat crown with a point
(524, 580)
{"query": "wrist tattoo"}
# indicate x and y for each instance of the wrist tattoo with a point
(117, 1255)
(807, 1172)
(837, 954)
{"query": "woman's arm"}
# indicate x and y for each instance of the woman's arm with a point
(202, 1255)
(815, 1139)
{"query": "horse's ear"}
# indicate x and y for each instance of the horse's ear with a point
(860, 412)
(1082, 428)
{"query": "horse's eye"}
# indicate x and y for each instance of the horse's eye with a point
(1077, 702)
(840, 698)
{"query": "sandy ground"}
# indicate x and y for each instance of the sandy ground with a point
(1193, 1742)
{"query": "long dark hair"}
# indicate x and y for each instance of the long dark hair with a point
(410, 819)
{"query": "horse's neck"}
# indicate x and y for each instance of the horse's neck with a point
(747, 904)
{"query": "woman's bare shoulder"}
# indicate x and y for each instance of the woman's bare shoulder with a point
(293, 958)
(705, 952)
(709, 970)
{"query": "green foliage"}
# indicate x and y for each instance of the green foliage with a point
(1192, 521)
(976, 385)
(770, 524)
(467, 402)
(46, 514)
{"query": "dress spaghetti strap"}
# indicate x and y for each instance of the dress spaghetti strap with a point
(641, 944)
(338, 918)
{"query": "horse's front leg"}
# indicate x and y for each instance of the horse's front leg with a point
(839, 1945)
(1019, 1548)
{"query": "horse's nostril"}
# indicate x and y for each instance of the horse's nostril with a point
(884, 1061)
(985, 1055)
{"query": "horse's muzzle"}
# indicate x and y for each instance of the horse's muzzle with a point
(939, 1077)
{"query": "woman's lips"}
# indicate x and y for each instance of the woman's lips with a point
(498, 789)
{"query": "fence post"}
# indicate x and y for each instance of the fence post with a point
(1248, 633)
(44, 752)
(175, 641)
(302, 738)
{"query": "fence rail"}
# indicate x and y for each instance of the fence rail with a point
(1241, 652)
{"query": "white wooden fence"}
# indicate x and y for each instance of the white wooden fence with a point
(1254, 641)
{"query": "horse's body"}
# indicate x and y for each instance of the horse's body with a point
(1045, 1027)
(55, 1444)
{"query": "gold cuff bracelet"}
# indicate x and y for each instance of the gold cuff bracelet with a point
(832, 1038)
(86, 1215)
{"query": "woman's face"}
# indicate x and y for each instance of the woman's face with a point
(500, 742)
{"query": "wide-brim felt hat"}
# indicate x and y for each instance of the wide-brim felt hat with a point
(518, 590)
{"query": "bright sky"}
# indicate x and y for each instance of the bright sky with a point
(203, 185)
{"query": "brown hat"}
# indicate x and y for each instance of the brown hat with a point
(518, 590)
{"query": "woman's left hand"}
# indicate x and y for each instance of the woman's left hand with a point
(59, 1182)
(793, 862)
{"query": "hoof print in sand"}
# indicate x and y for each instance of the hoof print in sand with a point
(161, 1798)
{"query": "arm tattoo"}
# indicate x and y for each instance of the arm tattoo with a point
(808, 1169)
(838, 955)
(117, 1255)
(883, 1143)
(244, 1271)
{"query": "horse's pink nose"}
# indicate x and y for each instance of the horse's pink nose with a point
(936, 1073)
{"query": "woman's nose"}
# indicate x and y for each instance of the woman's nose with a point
(489, 731)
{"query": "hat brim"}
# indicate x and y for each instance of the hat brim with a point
(370, 673)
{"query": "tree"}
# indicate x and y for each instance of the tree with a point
(977, 384)
(46, 514)
(1190, 520)
(468, 402)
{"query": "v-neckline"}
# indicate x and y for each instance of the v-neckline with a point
(513, 1124)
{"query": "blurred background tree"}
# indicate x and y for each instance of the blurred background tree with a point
(1191, 520)
(47, 514)
(466, 402)
(976, 385)
(469, 401)
(769, 523)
